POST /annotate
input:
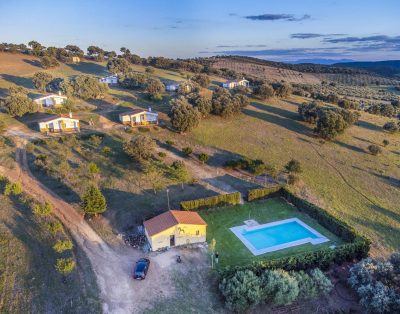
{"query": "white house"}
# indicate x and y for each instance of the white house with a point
(235, 83)
(50, 100)
(172, 87)
(59, 124)
(137, 117)
(110, 80)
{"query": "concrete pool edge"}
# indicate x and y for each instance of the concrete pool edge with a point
(237, 231)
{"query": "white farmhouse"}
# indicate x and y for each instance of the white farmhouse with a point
(138, 117)
(172, 87)
(50, 100)
(59, 124)
(109, 80)
(236, 83)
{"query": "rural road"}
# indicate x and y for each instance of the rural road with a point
(112, 267)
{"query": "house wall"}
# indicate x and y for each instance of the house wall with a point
(184, 234)
(59, 125)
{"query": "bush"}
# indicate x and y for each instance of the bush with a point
(170, 143)
(107, 150)
(256, 166)
(212, 201)
(385, 143)
(241, 291)
(162, 154)
(93, 168)
(374, 149)
(391, 127)
(203, 157)
(279, 287)
(62, 246)
(187, 150)
(12, 188)
(65, 265)
(322, 283)
(307, 287)
(293, 166)
(55, 227)
(42, 209)
(293, 179)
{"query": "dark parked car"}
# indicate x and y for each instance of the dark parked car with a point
(141, 268)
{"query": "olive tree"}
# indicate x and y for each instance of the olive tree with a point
(41, 79)
(184, 117)
(140, 147)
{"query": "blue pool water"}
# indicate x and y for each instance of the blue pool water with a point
(276, 235)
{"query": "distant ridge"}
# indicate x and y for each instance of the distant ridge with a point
(322, 61)
(385, 68)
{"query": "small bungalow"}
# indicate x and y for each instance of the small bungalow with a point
(75, 59)
(50, 100)
(59, 124)
(172, 87)
(109, 80)
(138, 117)
(174, 228)
(235, 83)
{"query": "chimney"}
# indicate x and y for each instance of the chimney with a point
(70, 114)
(59, 92)
(149, 109)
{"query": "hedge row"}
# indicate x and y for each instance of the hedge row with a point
(223, 199)
(263, 192)
(357, 246)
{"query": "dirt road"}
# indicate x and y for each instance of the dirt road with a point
(112, 267)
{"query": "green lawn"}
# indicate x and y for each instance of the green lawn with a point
(233, 252)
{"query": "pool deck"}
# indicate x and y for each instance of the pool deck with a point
(237, 231)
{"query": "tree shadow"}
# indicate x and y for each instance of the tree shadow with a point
(363, 140)
(220, 157)
(277, 111)
(395, 152)
(35, 63)
(18, 80)
(89, 68)
(387, 179)
(286, 123)
(350, 147)
(3, 92)
(368, 125)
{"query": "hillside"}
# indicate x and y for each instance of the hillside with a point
(306, 73)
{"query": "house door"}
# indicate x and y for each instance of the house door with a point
(172, 240)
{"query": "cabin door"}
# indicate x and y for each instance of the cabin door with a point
(172, 240)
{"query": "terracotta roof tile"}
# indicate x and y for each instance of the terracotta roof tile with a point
(172, 218)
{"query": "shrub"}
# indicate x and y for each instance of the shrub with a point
(256, 166)
(63, 245)
(179, 173)
(391, 127)
(42, 209)
(55, 227)
(65, 265)
(203, 157)
(12, 188)
(212, 201)
(263, 91)
(279, 287)
(162, 154)
(385, 143)
(187, 150)
(107, 150)
(95, 140)
(307, 287)
(293, 166)
(170, 143)
(241, 291)
(374, 149)
(93, 201)
(321, 282)
(93, 168)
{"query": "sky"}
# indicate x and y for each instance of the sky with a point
(284, 30)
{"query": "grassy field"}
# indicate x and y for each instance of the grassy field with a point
(29, 282)
(341, 175)
(233, 251)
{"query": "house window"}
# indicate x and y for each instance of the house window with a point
(197, 232)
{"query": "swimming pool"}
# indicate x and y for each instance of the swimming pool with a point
(277, 235)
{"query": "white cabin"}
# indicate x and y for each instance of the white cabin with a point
(138, 117)
(236, 83)
(59, 123)
(50, 100)
(109, 80)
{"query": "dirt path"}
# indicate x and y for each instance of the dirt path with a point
(112, 267)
